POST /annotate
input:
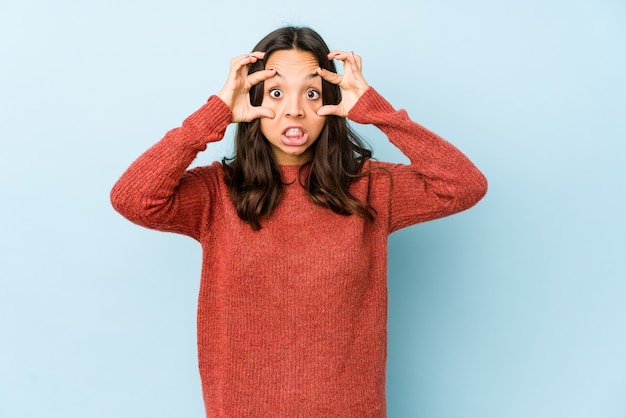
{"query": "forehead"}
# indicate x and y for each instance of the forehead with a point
(292, 61)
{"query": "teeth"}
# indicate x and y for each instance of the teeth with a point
(293, 132)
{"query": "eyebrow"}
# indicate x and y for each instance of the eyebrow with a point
(309, 77)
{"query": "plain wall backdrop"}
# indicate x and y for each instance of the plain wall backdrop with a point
(513, 309)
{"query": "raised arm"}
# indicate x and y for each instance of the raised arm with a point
(157, 191)
(440, 180)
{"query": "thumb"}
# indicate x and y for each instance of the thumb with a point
(264, 112)
(327, 110)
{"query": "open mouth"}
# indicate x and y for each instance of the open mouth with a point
(294, 136)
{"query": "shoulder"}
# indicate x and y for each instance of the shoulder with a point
(380, 177)
(375, 176)
(211, 176)
(216, 168)
(379, 169)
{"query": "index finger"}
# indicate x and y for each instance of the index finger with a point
(329, 76)
(336, 54)
(261, 75)
(347, 57)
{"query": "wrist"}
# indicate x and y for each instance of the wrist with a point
(226, 98)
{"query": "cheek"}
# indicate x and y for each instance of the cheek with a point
(314, 105)
(317, 124)
(265, 126)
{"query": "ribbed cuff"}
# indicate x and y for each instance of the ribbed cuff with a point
(369, 104)
(209, 122)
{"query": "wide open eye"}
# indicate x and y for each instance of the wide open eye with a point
(275, 93)
(313, 94)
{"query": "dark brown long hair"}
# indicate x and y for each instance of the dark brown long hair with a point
(253, 176)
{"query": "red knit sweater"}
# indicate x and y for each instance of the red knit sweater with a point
(292, 319)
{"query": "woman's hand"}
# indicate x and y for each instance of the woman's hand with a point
(236, 91)
(352, 83)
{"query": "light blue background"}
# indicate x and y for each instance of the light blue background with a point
(512, 309)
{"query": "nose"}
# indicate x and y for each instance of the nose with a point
(294, 107)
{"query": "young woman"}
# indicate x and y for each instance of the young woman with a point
(292, 307)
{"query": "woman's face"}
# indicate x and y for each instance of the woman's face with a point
(295, 95)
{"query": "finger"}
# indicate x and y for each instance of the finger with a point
(258, 112)
(247, 60)
(329, 76)
(350, 62)
(265, 112)
(237, 61)
(354, 60)
(258, 54)
(261, 75)
(336, 54)
(327, 110)
(346, 57)
(243, 60)
(254, 112)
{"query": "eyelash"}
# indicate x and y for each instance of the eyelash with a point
(316, 93)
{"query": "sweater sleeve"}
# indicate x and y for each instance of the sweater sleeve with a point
(440, 180)
(157, 191)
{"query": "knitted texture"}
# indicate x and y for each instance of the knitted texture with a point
(292, 319)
